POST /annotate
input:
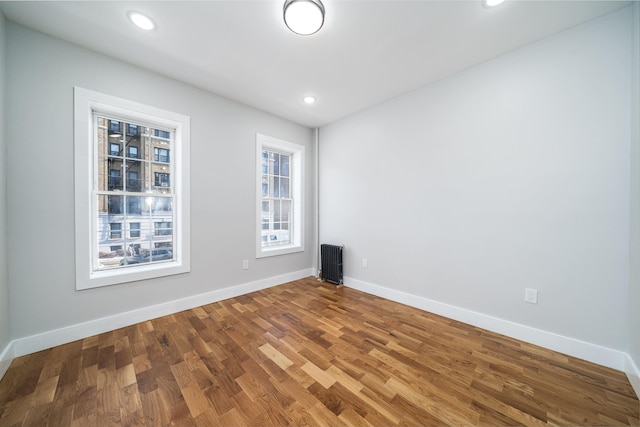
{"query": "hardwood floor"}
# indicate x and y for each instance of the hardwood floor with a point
(308, 353)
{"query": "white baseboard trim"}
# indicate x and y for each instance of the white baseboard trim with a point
(633, 373)
(583, 350)
(48, 339)
(594, 353)
(6, 357)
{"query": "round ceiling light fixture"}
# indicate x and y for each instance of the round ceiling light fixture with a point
(493, 3)
(309, 99)
(141, 20)
(304, 17)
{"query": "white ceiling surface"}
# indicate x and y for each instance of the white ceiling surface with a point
(367, 51)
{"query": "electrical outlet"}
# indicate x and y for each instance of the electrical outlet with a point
(531, 295)
(245, 264)
(365, 263)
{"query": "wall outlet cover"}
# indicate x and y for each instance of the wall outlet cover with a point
(531, 295)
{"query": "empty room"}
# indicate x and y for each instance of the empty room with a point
(320, 213)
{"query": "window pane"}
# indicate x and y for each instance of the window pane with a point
(284, 165)
(135, 172)
(276, 211)
(161, 205)
(135, 205)
(134, 229)
(109, 174)
(115, 205)
(285, 213)
(275, 190)
(284, 187)
(276, 164)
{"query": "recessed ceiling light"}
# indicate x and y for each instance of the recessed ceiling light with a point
(493, 3)
(309, 99)
(141, 20)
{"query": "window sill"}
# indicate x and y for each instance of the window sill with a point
(278, 250)
(132, 274)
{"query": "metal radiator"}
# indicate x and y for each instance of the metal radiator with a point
(331, 259)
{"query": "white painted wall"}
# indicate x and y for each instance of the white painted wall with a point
(5, 331)
(42, 72)
(512, 174)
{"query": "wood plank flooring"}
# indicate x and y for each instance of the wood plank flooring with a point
(309, 354)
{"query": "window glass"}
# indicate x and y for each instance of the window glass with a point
(280, 209)
(121, 201)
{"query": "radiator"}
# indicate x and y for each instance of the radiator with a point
(331, 259)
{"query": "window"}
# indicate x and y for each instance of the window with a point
(135, 205)
(161, 155)
(161, 133)
(133, 183)
(130, 198)
(114, 127)
(161, 179)
(162, 229)
(115, 230)
(133, 152)
(134, 230)
(114, 149)
(279, 166)
(115, 179)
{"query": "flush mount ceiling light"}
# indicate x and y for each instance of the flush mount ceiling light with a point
(141, 20)
(492, 3)
(309, 99)
(304, 17)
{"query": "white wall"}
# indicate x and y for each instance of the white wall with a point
(42, 72)
(5, 332)
(512, 174)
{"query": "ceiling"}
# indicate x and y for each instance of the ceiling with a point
(367, 51)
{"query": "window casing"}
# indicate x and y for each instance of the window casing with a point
(117, 201)
(279, 197)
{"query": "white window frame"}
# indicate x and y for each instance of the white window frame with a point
(86, 103)
(297, 168)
